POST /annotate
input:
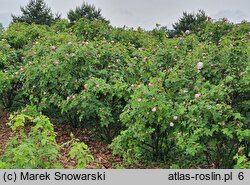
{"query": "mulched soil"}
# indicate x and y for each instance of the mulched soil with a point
(5, 131)
(103, 158)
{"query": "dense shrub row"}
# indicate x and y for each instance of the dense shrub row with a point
(183, 102)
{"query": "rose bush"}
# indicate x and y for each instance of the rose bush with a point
(178, 101)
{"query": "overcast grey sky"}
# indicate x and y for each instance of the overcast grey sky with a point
(143, 13)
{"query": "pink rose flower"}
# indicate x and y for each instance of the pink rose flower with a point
(150, 84)
(242, 73)
(197, 95)
(53, 47)
(199, 65)
(154, 109)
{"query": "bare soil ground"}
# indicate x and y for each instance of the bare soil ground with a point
(103, 157)
(5, 131)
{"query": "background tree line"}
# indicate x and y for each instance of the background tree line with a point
(37, 11)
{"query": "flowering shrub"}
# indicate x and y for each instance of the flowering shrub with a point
(179, 101)
(196, 110)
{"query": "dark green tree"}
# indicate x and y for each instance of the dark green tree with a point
(36, 11)
(87, 11)
(1, 27)
(190, 21)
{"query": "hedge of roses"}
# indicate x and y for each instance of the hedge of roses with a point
(183, 102)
